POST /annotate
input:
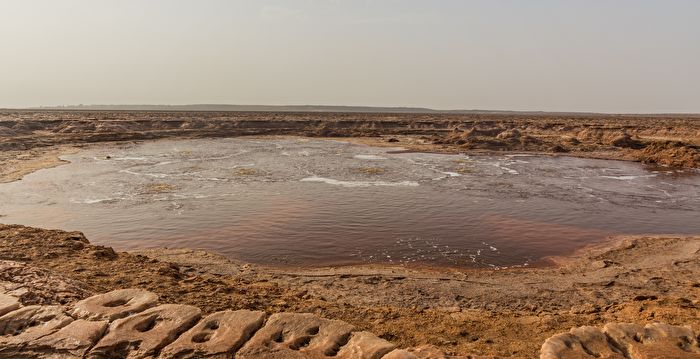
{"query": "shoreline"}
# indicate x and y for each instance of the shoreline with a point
(38, 159)
(662, 140)
(19, 163)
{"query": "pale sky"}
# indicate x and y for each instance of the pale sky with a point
(558, 55)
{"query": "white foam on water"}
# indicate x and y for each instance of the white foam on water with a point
(155, 175)
(665, 192)
(506, 169)
(216, 158)
(359, 183)
(446, 175)
(338, 141)
(629, 177)
(96, 200)
(520, 155)
(166, 163)
(193, 196)
(129, 158)
(370, 157)
(130, 172)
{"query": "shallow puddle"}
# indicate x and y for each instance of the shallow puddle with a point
(297, 201)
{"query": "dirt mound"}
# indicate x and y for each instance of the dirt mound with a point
(511, 134)
(595, 135)
(671, 153)
(497, 139)
(475, 132)
(624, 140)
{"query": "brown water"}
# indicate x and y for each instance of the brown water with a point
(315, 202)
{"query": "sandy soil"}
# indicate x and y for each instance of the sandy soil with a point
(16, 164)
(506, 313)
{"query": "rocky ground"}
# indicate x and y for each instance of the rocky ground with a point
(129, 323)
(504, 313)
(29, 139)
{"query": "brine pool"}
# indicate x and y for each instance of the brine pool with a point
(311, 202)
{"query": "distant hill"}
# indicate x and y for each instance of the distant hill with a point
(272, 108)
(241, 108)
(326, 108)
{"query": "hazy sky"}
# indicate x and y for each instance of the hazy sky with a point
(613, 56)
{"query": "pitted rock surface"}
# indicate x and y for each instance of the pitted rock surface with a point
(24, 325)
(176, 331)
(654, 340)
(583, 342)
(115, 304)
(144, 334)
(218, 335)
(365, 345)
(71, 341)
(624, 341)
(292, 335)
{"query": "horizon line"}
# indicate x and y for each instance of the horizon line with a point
(314, 108)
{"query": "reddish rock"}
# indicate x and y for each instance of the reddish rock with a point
(115, 304)
(8, 303)
(580, 343)
(293, 335)
(71, 341)
(624, 341)
(365, 345)
(218, 335)
(654, 340)
(144, 334)
(27, 324)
